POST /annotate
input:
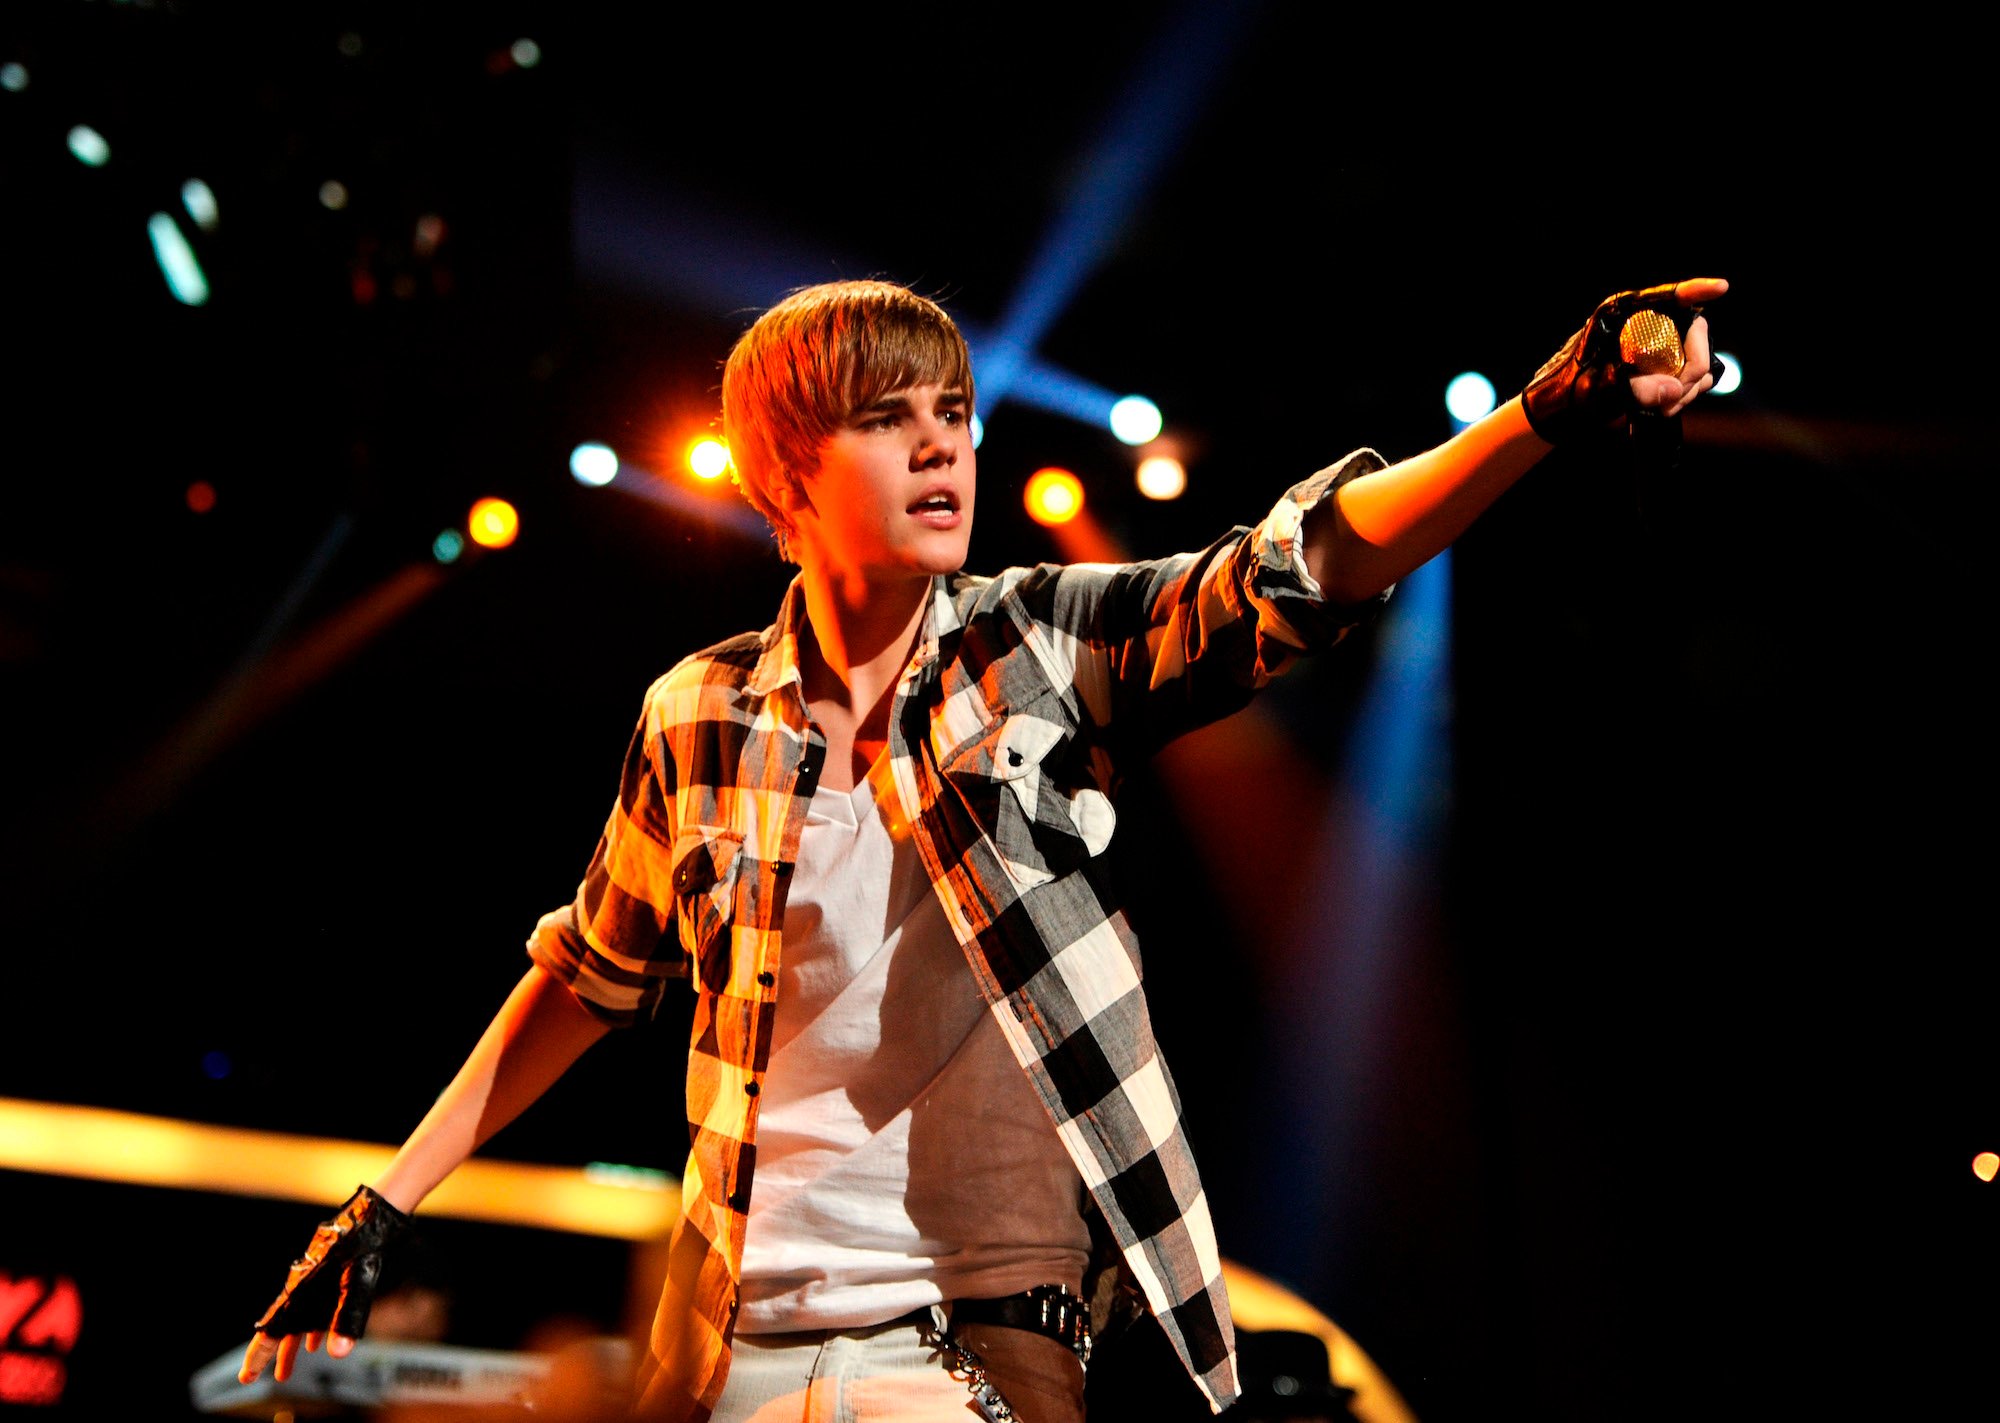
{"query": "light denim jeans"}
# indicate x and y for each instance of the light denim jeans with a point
(892, 1373)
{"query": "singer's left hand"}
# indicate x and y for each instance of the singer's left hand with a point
(1670, 395)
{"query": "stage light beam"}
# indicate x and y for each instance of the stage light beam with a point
(333, 195)
(1053, 496)
(185, 279)
(493, 523)
(1986, 1165)
(1162, 477)
(447, 546)
(593, 464)
(91, 148)
(525, 52)
(1135, 420)
(708, 458)
(13, 77)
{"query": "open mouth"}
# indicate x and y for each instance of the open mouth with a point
(941, 501)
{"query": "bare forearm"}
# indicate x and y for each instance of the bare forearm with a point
(1376, 530)
(534, 1038)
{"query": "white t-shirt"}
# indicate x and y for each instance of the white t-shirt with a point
(902, 1155)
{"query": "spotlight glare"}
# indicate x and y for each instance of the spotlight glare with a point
(593, 464)
(1136, 420)
(1054, 496)
(978, 431)
(1986, 1165)
(447, 546)
(708, 458)
(333, 195)
(199, 200)
(90, 147)
(525, 52)
(1469, 397)
(1732, 375)
(13, 77)
(200, 496)
(493, 523)
(1162, 477)
(185, 278)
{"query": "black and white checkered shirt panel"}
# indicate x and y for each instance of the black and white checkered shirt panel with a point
(1025, 696)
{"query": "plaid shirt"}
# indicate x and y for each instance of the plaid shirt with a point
(1025, 695)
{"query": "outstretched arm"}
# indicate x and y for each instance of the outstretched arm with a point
(1377, 530)
(535, 1037)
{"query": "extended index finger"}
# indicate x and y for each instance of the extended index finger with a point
(256, 1357)
(1696, 290)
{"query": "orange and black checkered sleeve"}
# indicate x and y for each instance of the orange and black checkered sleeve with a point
(615, 944)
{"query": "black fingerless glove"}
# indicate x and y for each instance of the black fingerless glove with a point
(1587, 384)
(332, 1286)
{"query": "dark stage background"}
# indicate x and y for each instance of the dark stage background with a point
(1664, 1089)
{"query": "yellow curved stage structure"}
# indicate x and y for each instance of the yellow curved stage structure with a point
(620, 1203)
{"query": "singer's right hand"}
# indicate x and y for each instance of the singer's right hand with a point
(1587, 385)
(329, 1289)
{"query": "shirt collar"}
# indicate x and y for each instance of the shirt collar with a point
(779, 662)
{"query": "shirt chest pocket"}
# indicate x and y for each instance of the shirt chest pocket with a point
(706, 861)
(1024, 779)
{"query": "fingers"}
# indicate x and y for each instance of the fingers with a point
(256, 1357)
(1698, 374)
(1658, 392)
(263, 1349)
(1697, 290)
(1695, 347)
(288, 1351)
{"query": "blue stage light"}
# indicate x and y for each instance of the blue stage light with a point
(1469, 397)
(199, 200)
(185, 278)
(91, 148)
(593, 464)
(1135, 420)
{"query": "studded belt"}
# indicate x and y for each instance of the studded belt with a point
(1049, 1310)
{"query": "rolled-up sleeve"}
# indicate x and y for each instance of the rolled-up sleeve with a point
(1156, 648)
(615, 944)
(1285, 603)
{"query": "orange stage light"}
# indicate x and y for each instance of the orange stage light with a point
(493, 523)
(1162, 477)
(1054, 496)
(708, 458)
(1986, 1165)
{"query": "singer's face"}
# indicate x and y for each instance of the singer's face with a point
(893, 492)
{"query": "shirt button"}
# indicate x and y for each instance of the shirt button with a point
(766, 979)
(807, 770)
(752, 1088)
(782, 868)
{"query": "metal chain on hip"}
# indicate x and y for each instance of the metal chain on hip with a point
(966, 1365)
